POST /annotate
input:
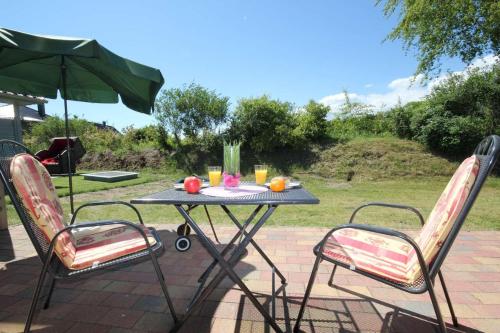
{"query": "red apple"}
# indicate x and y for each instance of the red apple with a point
(192, 184)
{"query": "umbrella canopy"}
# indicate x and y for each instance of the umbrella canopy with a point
(80, 69)
(33, 64)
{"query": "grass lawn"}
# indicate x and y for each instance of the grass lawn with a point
(83, 186)
(338, 199)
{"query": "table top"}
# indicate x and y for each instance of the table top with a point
(294, 196)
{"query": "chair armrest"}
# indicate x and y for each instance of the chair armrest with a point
(105, 203)
(384, 231)
(50, 251)
(388, 205)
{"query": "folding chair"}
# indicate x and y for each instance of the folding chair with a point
(396, 259)
(71, 251)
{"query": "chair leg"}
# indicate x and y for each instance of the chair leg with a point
(330, 281)
(161, 279)
(49, 296)
(439, 316)
(307, 293)
(36, 297)
(448, 300)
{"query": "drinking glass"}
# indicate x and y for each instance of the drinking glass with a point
(260, 174)
(214, 175)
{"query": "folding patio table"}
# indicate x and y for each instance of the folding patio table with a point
(184, 202)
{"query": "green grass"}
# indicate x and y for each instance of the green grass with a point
(338, 199)
(84, 186)
(378, 158)
(385, 169)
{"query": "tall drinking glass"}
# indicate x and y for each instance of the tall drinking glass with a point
(214, 175)
(260, 174)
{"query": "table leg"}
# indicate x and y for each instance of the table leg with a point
(226, 249)
(226, 268)
(254, 243)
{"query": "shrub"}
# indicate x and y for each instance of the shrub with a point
(264, 125)
(346, 128)
(456, 115)
(39, 135)
(408, 119)
(453, 136)
(144, 137)
(312, 123)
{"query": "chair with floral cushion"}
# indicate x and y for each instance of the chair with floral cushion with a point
(74, 250)
(394, 258)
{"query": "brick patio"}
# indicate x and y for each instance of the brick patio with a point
(130, 300)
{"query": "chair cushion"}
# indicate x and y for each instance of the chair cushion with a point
(395, 259)
(375, 253)
(80, 248)
(34, 186)
(96, 245)
(50, 161)
(445, 212)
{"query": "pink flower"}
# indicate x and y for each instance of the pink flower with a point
(231, 180)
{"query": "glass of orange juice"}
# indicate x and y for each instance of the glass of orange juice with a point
(260, 174)
(214, 175)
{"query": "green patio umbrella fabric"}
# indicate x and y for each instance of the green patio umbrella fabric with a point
(80, 69)
(33, 64)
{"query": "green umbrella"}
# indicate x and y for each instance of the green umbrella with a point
(80, 69)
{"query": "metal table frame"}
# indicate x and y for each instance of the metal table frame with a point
(267, 199)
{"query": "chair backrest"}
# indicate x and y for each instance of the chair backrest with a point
(37, 193)
(486, 153)
(8, 149)
(33, 195)
(58, 146)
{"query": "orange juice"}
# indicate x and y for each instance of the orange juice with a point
(214, 177)
(260, 176)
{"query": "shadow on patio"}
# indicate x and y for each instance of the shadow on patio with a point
(124, 300)
(130, 300)
(356, 314)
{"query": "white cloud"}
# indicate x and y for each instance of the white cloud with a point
(369, 85)
(406, 89)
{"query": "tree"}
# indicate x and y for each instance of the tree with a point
(191, 114)
(312, 123)
(263, 124)
(352, 109)
(459, 28)
(457, 114)
(191, 111)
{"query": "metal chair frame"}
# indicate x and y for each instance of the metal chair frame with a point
(52, 266)
(488, 152)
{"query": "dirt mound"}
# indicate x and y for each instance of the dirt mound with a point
(136, 160)
(379, 158)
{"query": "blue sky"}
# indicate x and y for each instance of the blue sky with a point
(290, 50)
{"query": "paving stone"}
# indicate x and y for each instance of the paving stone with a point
(121, 318)
(488, 298)
(85, 328)
(155, 322)
(151, 303)
(87, 313)
(120, 300)
(131, 300)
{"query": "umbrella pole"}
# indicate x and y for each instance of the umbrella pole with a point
(66, 126)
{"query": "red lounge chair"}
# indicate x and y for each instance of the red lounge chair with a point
(55, 158)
